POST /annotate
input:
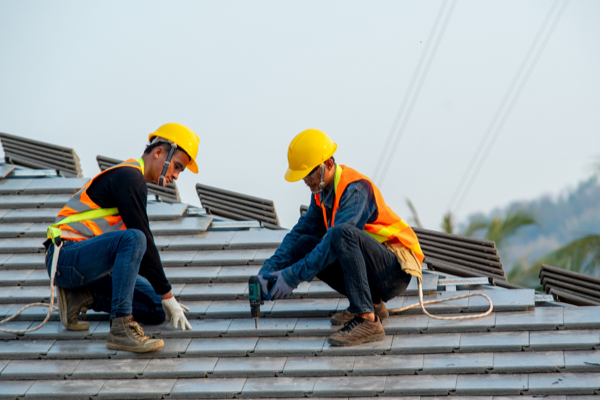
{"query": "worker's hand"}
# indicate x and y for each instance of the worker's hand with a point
(175, 312)
(281, 290)
(263, 286)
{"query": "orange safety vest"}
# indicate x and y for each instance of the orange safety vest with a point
(80, 202)
(388, 226)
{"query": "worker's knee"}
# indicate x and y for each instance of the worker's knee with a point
(135, 239)
(341, 232)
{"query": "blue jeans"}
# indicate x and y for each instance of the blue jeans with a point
(108, 266)
(365, 271)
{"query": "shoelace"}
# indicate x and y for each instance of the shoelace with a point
(138, 331)
(348, 326)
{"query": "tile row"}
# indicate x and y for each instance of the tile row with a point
(311, 317)
(42, 186)
(199, 343)
(248, 367)
(345, 386)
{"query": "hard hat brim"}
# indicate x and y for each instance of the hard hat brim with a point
(192, 166)
(294, 176)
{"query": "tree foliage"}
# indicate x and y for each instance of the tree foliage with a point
(415, 216)
(499, 229)
(580, 255)
(448, 224)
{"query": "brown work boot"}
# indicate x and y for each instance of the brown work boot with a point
(71, 303)
(342, 317)
(358, 331)
(126, 334)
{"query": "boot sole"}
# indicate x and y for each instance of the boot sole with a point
(345, 343)
(62, 301)
(137, 349)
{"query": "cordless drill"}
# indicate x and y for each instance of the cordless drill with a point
(256, 296)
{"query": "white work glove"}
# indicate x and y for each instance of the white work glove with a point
(175, 311)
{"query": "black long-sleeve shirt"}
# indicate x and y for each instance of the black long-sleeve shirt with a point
(126, 189)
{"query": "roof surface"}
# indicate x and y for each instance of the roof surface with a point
(522, 349)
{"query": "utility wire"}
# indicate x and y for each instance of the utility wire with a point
(506, 106)
(408, 92)
(413, 101)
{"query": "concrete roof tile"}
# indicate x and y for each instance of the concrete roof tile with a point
(349, 386)
(525, 362)
(540, 318)
(11, 389)
(425, 385)
(433, 343)
(264, 327)
(564, 383)
(457, 363)
(289, 346)
(582, 361)
(248, 367)
(136, 388)
(38, 369)
(564, 340)
(198, 367)
(318, 366)
(491, 384)
(582, 317)
(109, 369)
(207, 388)
(221, 347)
(406, 364)
(493, 341)
(277, 387)
(64, 389)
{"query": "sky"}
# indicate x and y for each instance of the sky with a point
(248, 76)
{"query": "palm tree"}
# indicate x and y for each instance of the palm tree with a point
(448, 224)
(415, 216)
(525, 274)
(499, 229)
(580, 255)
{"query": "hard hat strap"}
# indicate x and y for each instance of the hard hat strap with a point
(322, 183)
(161, 178)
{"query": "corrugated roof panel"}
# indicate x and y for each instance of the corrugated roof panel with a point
(238, 206)
(40, 155)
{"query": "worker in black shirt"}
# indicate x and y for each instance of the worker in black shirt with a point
(104, 252)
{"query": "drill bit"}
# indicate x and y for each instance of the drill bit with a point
(255, 323)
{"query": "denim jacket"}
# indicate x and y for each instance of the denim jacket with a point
(357, 207)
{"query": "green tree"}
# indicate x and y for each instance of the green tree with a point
(448, 224)
(580, 255)
(415, 216)
(499, 229)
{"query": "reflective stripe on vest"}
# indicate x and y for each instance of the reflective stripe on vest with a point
(84, 218)
(387, 226)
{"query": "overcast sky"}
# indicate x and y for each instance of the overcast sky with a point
(248, 76)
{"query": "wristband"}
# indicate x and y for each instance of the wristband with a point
(167, 298)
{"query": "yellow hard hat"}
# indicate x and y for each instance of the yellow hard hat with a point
(309, 149)
(183, 137)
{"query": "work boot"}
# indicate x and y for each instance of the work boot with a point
(342, 317)
(126, 334)
(357, 331)
(71, 303)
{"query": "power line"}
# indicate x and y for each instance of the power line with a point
(506, 106)
(412, 94)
